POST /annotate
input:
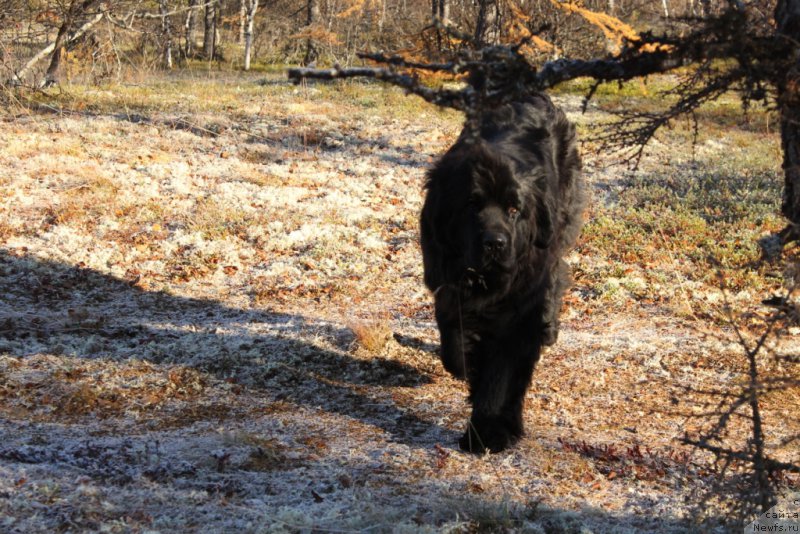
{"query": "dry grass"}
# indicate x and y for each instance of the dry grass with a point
(37, 390)
(371, 335)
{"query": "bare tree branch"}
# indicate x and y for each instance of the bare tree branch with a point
(456, 99)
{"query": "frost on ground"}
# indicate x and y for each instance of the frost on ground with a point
(215, 322)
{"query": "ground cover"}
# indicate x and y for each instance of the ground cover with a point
(213, 317)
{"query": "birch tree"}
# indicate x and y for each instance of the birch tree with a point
(251, 6)
(188, 28)
(166, 35)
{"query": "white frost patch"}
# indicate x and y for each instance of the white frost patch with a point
(179, 179)
(280, 268)
(143, 186)
(228, 249)
(371, 241)
(344, 201)
(70, 246)
(281, 196)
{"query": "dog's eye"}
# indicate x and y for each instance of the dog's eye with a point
(512, 211)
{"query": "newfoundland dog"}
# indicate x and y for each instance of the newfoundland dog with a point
(503, 205)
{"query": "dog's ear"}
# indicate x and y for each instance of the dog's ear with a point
(543, 224)
(439, 223)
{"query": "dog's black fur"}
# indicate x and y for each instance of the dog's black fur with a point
(501, 210)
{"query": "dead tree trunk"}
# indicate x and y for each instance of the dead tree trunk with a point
(210, 31)
(440, 9)
(486, 25)
(787, 16)
(188, 28)
(217, 28)
(243, 7)
(53, 70)
(382, 18)
(312, 17)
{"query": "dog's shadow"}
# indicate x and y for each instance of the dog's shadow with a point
(50, 307)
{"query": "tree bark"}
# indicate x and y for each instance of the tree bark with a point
(312, 17)
(444, 10)
(166, 35)
(487, 23)
(440, 9)
(243, 7)
(217, 26)
(787, 17)
(53, 70)
(250, 16)
(382, 18)
(210, 31)
(188, 40)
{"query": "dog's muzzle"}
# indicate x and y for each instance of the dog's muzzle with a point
(496, 250)
(495, 243)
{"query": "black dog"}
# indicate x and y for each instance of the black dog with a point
(502, 207)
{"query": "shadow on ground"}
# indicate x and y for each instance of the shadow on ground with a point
(52, 308)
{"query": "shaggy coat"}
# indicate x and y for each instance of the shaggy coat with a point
(501, 210)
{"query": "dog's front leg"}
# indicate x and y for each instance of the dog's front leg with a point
(457, 340)
(498, 383)
(454, 350)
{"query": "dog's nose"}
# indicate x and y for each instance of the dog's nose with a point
(494, 241)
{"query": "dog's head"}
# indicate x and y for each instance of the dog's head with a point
(505, 217)
(491, 218)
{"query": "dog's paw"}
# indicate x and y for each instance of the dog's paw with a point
(493, 435)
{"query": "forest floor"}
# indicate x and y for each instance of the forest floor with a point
(212, 318)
